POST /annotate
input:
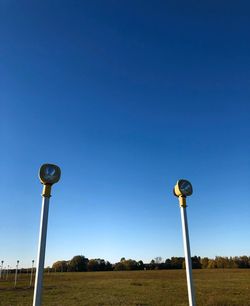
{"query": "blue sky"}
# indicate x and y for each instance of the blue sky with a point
(126, 97)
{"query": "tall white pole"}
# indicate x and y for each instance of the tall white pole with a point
(16, 272)
(191, 292)
(1, 269)
(7, 274)
(49, 174)
(31, 272)
(41, 252)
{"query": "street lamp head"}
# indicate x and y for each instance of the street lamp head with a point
(49, 174)
(183, 188)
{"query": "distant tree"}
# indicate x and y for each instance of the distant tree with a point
(204, 262)
(177, 262)
(140, 265)
(99, 265)
(64, 266)
(233, 263)
(211, 264)
(152, 265)
(196, 262)
(130, 264)
(221, 262)
(56, 266)
(78, 263)
(119, 266)
(167, 264)
(93, 265)
(237, 262)
(60, 266)
(244, 262)
(108, 266)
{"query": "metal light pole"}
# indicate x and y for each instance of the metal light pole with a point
(7, 274)
(182, 189)
(1, 269)
(48, 174)
(16, 272)
(31, 272)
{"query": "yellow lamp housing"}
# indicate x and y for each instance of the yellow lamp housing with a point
(183, 188)
(49, 174)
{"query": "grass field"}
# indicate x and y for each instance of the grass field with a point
(141, 288)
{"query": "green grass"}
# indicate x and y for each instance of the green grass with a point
(138, 288)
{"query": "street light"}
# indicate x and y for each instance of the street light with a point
(31, 272)
(7, 274)
(183, 189)
(49, 174)
(17, 263)
(1, 269)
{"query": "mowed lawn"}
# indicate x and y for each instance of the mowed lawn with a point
(156, 288)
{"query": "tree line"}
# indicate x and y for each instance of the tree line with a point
(80, 263)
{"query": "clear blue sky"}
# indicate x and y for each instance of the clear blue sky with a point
(126, 97)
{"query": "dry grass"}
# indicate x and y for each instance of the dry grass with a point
(138, 288)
